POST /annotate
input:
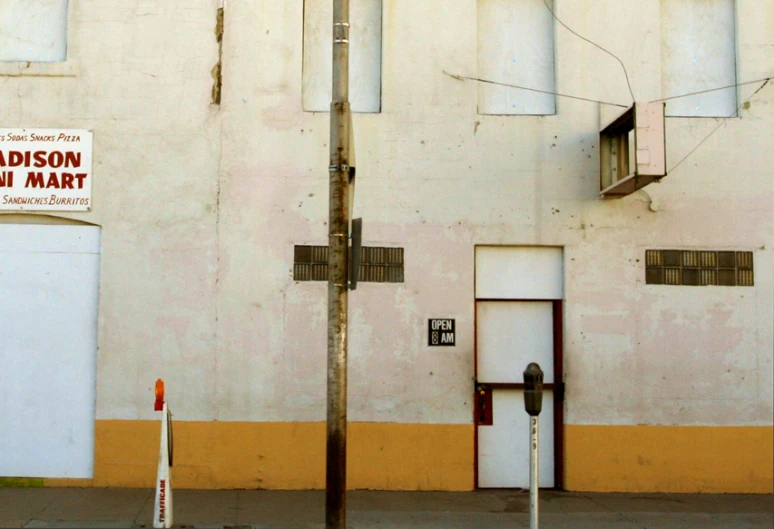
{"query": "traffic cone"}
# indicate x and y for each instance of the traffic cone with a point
(162, 511)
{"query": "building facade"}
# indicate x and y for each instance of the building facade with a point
(194, 249)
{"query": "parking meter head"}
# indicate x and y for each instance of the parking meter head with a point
(533, 389)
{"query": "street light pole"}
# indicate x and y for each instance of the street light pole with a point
(338, 277)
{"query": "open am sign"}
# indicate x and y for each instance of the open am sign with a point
(440, 332)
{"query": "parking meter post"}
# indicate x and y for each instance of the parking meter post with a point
(533, 403)
(533, 472)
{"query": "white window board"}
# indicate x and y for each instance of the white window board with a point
(365, 59)
(698, 52)
(33, 31)
(516, 46)
(519, 272)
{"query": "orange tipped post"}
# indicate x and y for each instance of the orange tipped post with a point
(159, 406)
(162, 512)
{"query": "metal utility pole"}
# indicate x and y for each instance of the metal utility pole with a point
(338, 277)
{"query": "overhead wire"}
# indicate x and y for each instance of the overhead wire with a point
(722, 122)
(712, 90)
(488, 81)
(568, 28)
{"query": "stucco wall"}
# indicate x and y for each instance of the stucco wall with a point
(201, 204)
(437, 178)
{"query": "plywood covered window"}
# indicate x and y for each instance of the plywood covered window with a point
(516, 47)
(698, 52)
(365, 57)
(49, 294)
(33, 31)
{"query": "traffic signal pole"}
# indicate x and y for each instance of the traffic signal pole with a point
(338, 277)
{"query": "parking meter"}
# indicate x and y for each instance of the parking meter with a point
(533, 403)
(533, 389)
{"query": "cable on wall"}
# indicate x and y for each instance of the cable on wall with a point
(713, 90)
(488, 81)
(568, 28)
(722, 122)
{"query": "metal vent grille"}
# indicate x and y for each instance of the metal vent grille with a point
(699, 268)
(378, 264)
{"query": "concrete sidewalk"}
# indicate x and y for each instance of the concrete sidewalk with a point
(126, 508)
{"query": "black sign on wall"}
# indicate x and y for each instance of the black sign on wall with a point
(440, 332)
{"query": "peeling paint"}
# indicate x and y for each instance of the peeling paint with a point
(217, 70)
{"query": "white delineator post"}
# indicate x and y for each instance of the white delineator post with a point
(162, 511)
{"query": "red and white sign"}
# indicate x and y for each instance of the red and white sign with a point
(45, 169)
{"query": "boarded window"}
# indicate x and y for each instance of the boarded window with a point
(698, 53)
(516, 46)
(365, 58)
(49, 293)
(519, 272)
(33, 31)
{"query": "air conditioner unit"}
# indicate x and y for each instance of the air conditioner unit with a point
(632, 150)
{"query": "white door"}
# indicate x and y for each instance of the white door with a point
(49, 278)
(510, 335)
(517, 289)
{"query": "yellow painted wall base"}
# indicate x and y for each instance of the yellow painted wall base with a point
(669, 458)
(210, 455)
(390, 456)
